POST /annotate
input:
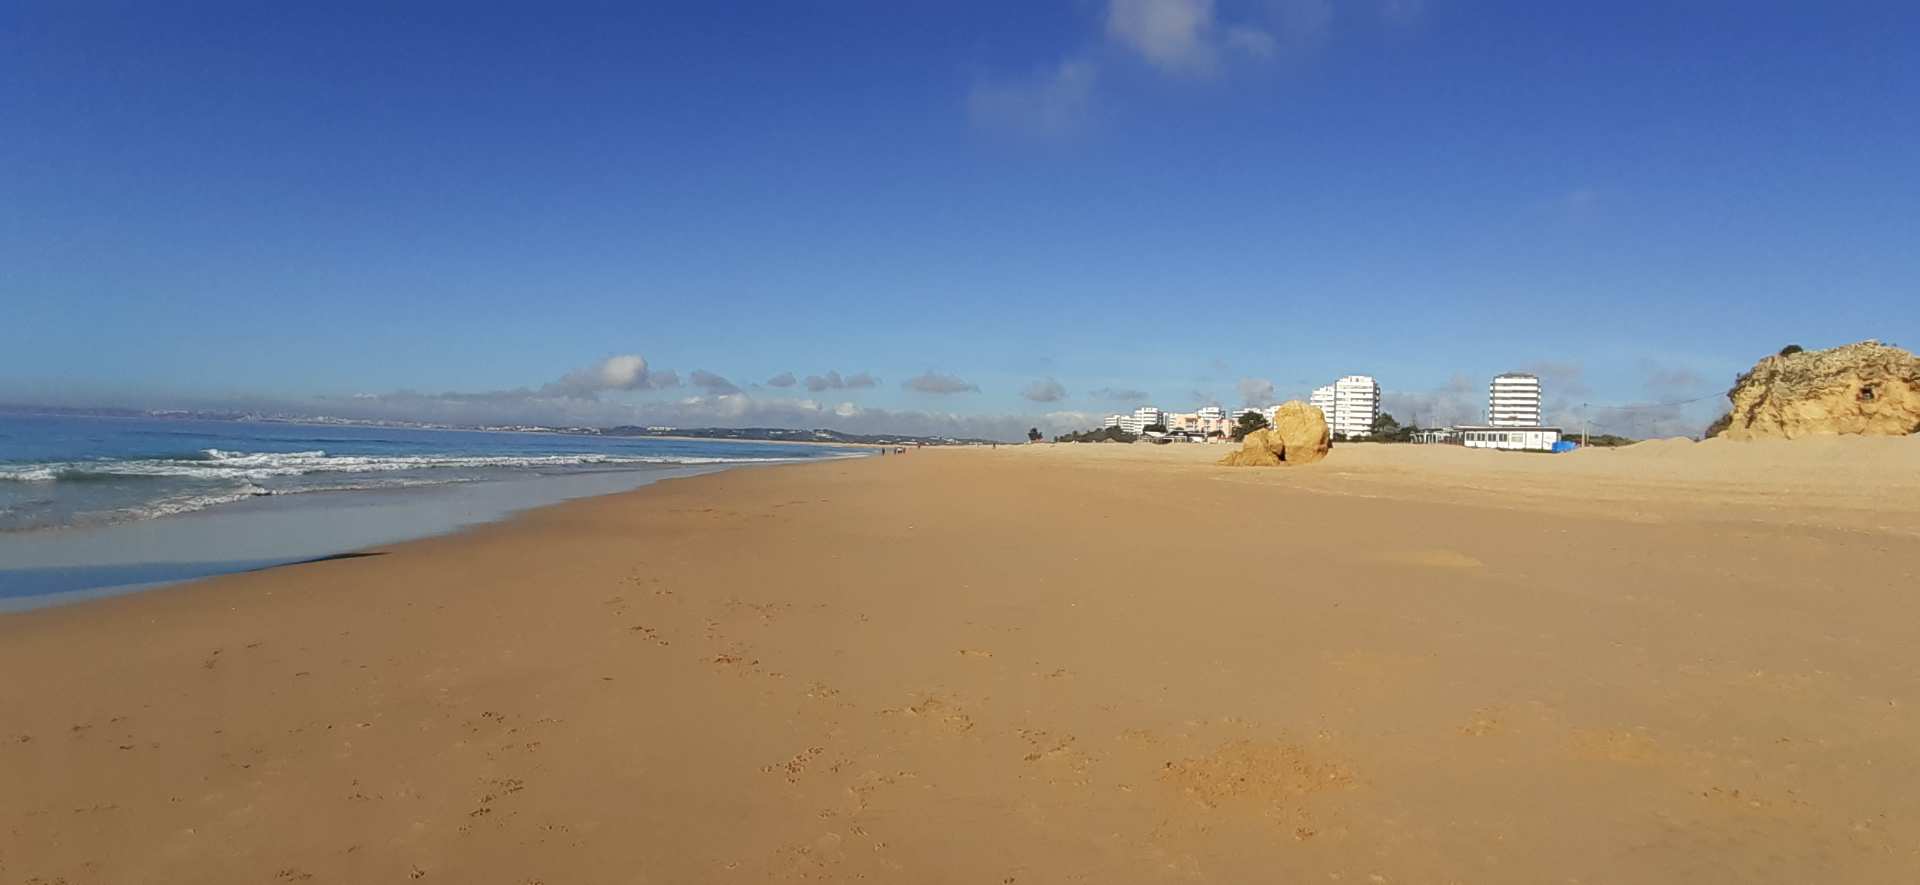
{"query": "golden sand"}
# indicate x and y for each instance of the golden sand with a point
(1672, 663)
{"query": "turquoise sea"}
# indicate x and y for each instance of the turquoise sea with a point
(96, 505)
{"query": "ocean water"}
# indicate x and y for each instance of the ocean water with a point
(99, 505)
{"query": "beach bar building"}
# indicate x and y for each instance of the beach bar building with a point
(1523, 439)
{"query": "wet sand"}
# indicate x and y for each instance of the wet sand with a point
(1675, 663)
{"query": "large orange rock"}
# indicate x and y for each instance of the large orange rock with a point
(1304, 430)
(1258, 449)
(1299, 436)
(1866, 388)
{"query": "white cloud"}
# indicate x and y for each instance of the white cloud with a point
(1174, 35)
(1054, 103)
(1182, 37)
(624, 372)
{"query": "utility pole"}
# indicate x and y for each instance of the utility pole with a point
(1586, 423)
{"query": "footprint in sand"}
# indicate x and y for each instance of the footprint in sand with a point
(1257, 774)
(1486, 721)
(795, 766)
(1614, 745)
(495, 789)
(932, 709)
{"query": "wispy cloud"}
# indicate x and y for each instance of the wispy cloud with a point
(1256, 392)
(833, 381)
(1052, 103)
(1178, 38)
(784, 379)
(711, 383)
(1302, 24)
(1663, 381)
(1403, 13)
(1045, 390)
(1118, 394)
(1252, 41)
(622, 390)
(1580, 201)
(1462, 401)
(936, 383)
(1560, 378)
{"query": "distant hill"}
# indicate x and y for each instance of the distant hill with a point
(784, 434)
(778, 434)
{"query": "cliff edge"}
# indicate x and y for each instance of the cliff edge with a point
(1867, 389)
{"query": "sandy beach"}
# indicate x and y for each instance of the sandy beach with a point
(1675, 662)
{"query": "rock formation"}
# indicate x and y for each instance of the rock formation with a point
(1865, 388)
(1298, 436)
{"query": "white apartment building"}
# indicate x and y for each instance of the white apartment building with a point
(1323, 400)
(1513, 400)
(1203, 423)
(1350, 404)
(1138, 421)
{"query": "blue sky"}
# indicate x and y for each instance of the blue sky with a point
(258, 204)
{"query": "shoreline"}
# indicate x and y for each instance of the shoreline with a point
(1122, 665)
(65, 565)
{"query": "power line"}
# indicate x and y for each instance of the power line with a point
(1638, 406)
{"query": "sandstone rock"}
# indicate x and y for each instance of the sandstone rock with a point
(1299, 436)
(1865, 388)
(1304, 431)
(1258, 449)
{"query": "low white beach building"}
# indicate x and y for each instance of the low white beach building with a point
(1528, 439)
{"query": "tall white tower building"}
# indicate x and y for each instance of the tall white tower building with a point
(1356, 403)
(1513, 400)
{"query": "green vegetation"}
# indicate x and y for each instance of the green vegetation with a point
(1154, 428)
(1720, 425)
(1791, 349)
(1608, 440)
(1034, 434)
(1386, 428)
(1104, 434)
(1248, 423)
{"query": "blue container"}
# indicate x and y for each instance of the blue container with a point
(1565, 445)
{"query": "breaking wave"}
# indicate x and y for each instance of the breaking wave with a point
(217, 464)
